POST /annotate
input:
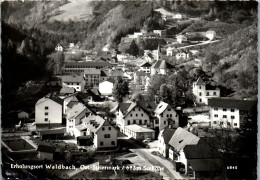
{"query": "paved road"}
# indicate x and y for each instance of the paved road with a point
(168, 172)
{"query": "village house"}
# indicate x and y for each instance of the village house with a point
(65, 91)
(48, 111)
(203, 92)
(210, 35)
(230, 113)
(69, 102)
(75, 115)
(22, 114)
(139, 132)
(161, 33)
(182, 54)
(177, 143)
(76, 82)
(181, 38)
(148, 56)
(53, 134)
(170, 51)
(92, 76)
(106, 87)
(45, 152)
(59, 48)
(103, 133)
(131, 113)
(146, 67)
(79, 67)
(161, 67)
(164, 138)
(166, 117)
(113, 74)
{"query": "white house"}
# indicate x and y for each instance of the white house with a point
(146, 67)
(76, 82)
(210, 34)
(131, 113)
(203, 92)
(170, 51)
(103, 133)
(177, 143)
(48, 111)
(59, 48)
(226, 112)
(75, 115)
(181, 38)
(166, 116)
(161, 67)
(106, 87)
(164, 137)
(182, 54)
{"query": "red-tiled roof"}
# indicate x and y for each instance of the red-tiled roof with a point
(232, 103)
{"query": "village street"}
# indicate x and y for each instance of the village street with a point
(169, 170)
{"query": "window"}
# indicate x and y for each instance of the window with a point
(113, 143)
(161, 115)
(224, 109)
(173, 122)
(139, 109)
(131, 115)
(228, 123)
(101, 143)
(221, 123)
(169, 109)
(232, 110)
(136, 115)
(214, 122)
(215, 109)
(46, 107)
(171, 115)
(134, 109)
(157, 122)
(200, 93)
(77, 83)
(232, 117)
(224, 116)
(45, 119)
(142, 115)
(207, 93)
(215, 115)
(103, 128)
(200, 87)
(164, 122)
(145, 121)
(167, 115)
(109, 128)
(200, 100)
(140, 121)
(134, 122)
(46, 114)
(235, 124)
(77, 87)
(128, 122)
(214, 93)
(106, 135)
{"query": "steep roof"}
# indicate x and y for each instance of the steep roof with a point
(137, 128)
(162, 106)
(46, 148)
(94, 123)
(167, 134)
(67, 90)
(148, 106)
(233, 103)
(72, 79)
(162, 64)
(146, 64)
(181, 138)
(210, 87)
(76, 110)
(50, 97)
(200, 151)
(200, 81)
(123, 107)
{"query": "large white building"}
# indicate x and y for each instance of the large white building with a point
(226, 112)
(203, 92)
(48, 111)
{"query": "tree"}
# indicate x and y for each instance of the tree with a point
(133, 49)
(120, 89)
